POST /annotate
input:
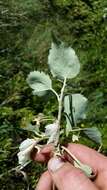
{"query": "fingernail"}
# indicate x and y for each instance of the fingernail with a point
(54, 164)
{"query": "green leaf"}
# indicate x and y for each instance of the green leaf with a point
(63, 61)
(31, 128)
(39, 82)
(94, 134)
(79, 105)
(67, 112)
(74, 107)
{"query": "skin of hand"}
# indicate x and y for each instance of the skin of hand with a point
(65, 176)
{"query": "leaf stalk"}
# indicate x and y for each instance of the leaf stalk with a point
(60, 110)
(55, 93)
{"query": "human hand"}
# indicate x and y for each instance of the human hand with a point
(66, 177)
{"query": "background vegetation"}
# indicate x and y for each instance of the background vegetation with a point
(25, 38)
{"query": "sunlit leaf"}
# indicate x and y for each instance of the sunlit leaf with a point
(39, 82)
(94, 134)
(63, 61)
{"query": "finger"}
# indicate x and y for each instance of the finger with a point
(44, 155)
(88, 156)
(66, 176)
(45, 182)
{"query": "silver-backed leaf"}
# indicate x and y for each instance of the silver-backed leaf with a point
(94, 134)
(51, 131)
(63, 61)
(79, 105)
(25, 149)
(67, 112)
(75, 109)
(39, 82)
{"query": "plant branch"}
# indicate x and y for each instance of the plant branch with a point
(60, 102)
(60, 110)
(78, 129)
(9, 171)
(55, 94)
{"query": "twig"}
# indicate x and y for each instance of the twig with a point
(71, 155)
(60, 110)
(55, 94)
(60, 103)
(9, 171)
(100, 147)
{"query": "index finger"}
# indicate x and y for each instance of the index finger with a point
(88, 156)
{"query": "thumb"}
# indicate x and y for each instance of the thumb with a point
(65, 176)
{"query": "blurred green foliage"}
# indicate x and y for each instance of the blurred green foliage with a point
(25, 38)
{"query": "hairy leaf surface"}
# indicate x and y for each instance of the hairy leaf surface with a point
(63, 61)
(39, 82)
(51, 131)
(79, 105)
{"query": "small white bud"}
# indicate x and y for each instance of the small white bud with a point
(75, 138)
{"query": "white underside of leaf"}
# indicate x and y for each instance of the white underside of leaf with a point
(25, 150)
(79, 104)
(51, 131)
